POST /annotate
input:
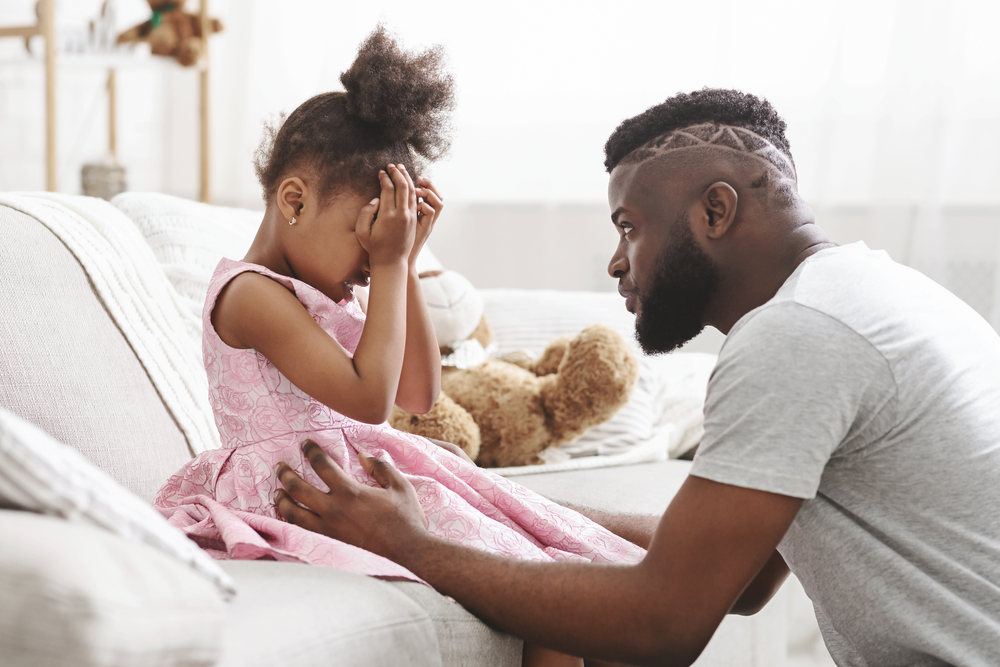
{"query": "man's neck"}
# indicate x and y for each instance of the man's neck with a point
(755, 282)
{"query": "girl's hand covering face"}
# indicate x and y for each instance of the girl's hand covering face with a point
(390, 237)
(428, 209)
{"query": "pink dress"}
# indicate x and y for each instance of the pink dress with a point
(222, 499)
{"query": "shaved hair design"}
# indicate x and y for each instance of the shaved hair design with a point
(715, 135)
(710, 106)
(744, 126)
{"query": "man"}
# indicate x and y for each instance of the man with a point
(852, 429)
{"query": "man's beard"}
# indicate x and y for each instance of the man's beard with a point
(672, 309)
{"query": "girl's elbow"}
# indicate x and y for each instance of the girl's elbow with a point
(426, 404)
(419, 403)
(379, 414)
(374, 410)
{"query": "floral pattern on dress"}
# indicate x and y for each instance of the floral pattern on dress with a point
(222, 499)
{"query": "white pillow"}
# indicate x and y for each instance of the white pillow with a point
(670, 389)
(40, 474)
(189, 238)
(77, 596)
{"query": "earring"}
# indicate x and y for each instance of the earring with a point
(292, 221)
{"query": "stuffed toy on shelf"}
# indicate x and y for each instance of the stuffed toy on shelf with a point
(505, 412)
(171, 32)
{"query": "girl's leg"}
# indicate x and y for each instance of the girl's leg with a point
(536, 656)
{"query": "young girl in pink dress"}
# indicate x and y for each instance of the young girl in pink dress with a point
(291, 355)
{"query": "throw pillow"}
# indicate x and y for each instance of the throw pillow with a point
(40, 474)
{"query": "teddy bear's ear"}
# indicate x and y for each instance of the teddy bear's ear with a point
(552, 357)
(595, 379)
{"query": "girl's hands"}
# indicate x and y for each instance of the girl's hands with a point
(428, 211)
(387, 226)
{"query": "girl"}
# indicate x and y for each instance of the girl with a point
(291, 354)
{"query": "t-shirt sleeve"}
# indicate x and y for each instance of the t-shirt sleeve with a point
(791, 385)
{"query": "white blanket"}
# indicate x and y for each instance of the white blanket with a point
(139, 298)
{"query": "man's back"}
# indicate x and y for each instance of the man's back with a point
(875, 394)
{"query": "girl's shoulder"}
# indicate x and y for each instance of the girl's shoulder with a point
(228, 269)
(319, 305)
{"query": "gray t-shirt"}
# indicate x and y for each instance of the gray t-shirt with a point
(873, 393)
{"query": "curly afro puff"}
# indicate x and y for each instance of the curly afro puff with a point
(395, 109)
(710, 105)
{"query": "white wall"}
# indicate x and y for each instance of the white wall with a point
(893, 110)
(888, 101)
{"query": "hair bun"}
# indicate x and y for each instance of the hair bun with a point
(408, 94)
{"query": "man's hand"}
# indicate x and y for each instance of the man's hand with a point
(351, 512)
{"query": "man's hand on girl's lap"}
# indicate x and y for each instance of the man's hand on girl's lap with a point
(384, 521)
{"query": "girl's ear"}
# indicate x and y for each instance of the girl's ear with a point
(291, 196)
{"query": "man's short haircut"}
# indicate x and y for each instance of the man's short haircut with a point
(708, 106)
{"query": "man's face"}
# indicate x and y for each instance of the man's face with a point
(665, 276)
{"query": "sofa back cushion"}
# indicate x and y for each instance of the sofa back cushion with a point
(66, 367)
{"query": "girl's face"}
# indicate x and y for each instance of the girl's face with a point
(323, 249)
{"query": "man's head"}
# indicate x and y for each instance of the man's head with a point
(691, 180)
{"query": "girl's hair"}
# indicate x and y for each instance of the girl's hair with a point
(395, 109)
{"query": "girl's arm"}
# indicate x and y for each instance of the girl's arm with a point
(256, 312)
(420, 379)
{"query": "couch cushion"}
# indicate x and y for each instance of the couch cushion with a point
(65, 366)
(638, 489)
(463, 638)
(102, 601)
(305, 616)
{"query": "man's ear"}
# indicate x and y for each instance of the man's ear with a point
(291, 196)
(717, 209)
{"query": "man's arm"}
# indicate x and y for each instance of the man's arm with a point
(763, 587)
(636, 528)
(639, 529)
(709, 545)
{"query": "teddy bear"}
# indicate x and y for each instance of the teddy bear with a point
(504, 412)
(171, 32)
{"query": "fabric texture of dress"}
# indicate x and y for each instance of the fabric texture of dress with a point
(222, 499)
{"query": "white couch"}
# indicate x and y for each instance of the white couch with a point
(69, 365)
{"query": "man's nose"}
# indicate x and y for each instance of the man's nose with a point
(618, 265)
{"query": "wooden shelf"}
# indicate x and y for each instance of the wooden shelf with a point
(111, 61)
(123, 58)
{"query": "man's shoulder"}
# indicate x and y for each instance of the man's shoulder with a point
(847, 279)
(863, 290)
